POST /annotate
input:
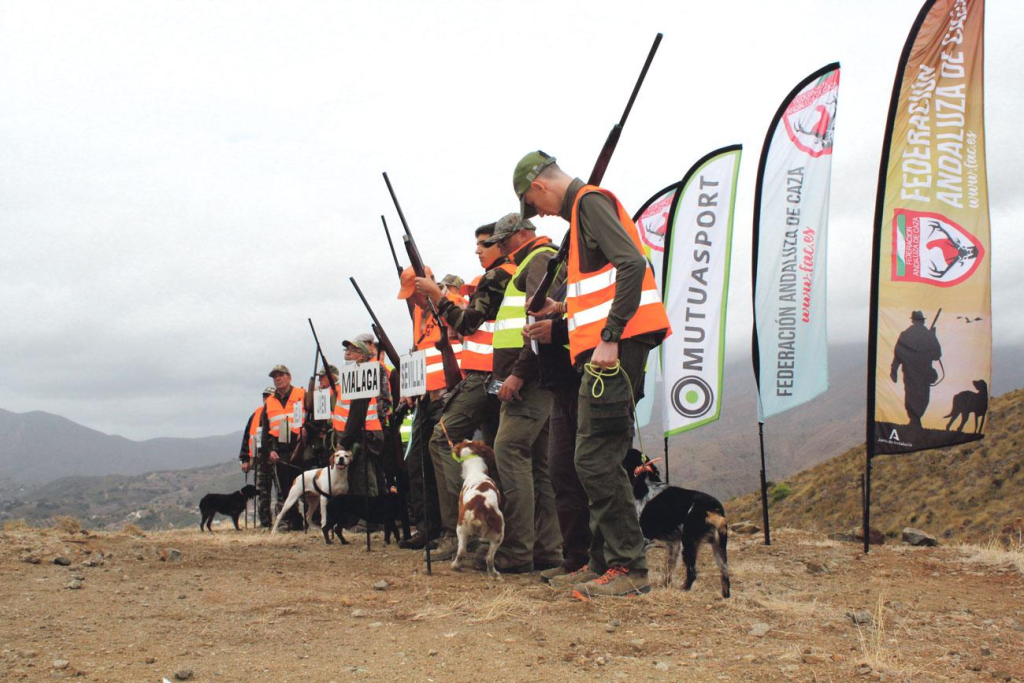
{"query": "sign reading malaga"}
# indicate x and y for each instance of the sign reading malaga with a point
(361, 380)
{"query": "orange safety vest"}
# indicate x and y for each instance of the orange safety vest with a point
(340, 416)
(427, 334)
(589, 295)
(478, 348)
(294, 412)
(255, 429)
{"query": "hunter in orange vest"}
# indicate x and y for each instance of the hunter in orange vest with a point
(283, 417)
(470, 407)
(615, 319)
(360, 421)
(251, 434)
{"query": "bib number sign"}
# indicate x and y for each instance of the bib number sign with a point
(413, 374)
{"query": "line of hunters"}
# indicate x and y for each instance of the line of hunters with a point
(560, 420)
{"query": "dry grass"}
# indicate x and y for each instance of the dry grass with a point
(12, 525)
(133, 530)
(69, 524)
(509, 605)
(997, 552)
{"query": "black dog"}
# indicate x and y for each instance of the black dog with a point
(967, 402)
(681, 518)
(230, 504)
(346, 509)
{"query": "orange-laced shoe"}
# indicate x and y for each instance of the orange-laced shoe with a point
(616, 582)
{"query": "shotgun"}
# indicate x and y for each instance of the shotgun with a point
(596, 175)
(452, 373)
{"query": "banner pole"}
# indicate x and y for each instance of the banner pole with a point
(867, 501)
(667, 468)
(764, 488)
(366, 484)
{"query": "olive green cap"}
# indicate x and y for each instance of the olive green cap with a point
(508, 225)
(268, 391)
(527, 170)
(280, 368)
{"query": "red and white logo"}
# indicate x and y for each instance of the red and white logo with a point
(930, 248)
(810, 118)
(653, 222)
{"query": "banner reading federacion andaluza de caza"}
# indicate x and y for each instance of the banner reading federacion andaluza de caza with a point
(930, 337)
(695, 285)
(790, 345)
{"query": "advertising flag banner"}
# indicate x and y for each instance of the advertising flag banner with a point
(695, 286)
(930, 336)
(652, 221)
(790, 249)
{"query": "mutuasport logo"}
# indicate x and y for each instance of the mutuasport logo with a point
(692, 397)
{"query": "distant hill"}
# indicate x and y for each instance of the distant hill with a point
(968, 492)
(156, 500)
(39, 447)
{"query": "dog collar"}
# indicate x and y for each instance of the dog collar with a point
(463, 458)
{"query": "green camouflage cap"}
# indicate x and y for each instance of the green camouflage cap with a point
(453, 282)
(506, 226)
(332, 368)
(268, 391)
(280, 368)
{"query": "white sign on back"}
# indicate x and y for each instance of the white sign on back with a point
(413, 374)
(322, 404)
(361, 380)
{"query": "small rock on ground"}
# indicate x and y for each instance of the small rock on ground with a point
(183, 675)
(760, 629)
(62, 561)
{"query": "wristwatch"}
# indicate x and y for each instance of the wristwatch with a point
(606, 335)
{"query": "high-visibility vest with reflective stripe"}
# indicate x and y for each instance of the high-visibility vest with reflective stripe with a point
(508, 328)
(427, 334)
(478, 348)
(255, 431)
(589, 295)
(294, 412)
(405, 430)
(339, 418)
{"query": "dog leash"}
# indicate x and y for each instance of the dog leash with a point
(597, 391)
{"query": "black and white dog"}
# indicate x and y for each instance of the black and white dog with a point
(230, 504)
(682, 518)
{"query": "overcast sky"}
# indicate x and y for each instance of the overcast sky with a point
(182, 184)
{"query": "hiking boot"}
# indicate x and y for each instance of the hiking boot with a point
(416, 541)
(581, 575)
(558, 570)
(480, 564)
(617, 581)
(447, 546)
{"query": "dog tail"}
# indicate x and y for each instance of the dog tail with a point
(721, 529)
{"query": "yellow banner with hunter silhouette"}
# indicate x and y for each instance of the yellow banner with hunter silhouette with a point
(931, 337)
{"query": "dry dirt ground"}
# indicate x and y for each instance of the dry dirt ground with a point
(250, 607)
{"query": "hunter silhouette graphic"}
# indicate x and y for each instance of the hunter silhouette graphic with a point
(916, 349)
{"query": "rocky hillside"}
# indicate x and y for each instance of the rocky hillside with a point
(967, 492)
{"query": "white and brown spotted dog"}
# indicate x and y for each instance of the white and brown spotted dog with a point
(315, 484)
(479, 503)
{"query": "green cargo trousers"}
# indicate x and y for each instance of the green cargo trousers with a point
(603, 437)
(521, 449)
(470, 409)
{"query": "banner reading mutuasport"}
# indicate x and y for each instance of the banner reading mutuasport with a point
(790, 346)
(930, 337)
(695, 286)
